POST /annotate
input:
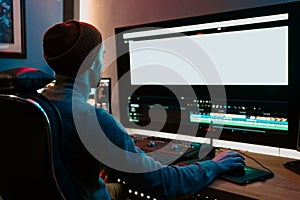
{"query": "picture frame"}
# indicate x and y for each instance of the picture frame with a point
(12, 29)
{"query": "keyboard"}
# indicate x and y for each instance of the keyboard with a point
(163, 158)
(168, 151)
(293, 166)
(191, 161)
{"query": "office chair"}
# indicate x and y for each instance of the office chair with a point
(32, 163)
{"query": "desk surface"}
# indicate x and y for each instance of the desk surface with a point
(284, 185)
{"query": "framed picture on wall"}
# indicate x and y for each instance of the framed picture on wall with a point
(12, 29)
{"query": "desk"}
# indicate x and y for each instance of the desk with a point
(284, 185)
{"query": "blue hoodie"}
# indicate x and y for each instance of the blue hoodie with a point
(88, 152)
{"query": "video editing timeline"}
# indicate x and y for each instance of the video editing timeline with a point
(239, 115)
(236, 115)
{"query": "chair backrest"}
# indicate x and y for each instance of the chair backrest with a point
(32, 163)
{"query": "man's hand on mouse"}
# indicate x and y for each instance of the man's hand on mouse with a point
(229, 160)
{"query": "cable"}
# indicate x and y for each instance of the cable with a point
(260, 164)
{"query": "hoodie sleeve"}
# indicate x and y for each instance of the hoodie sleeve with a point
(163, 181)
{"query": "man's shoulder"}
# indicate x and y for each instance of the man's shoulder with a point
(101, 112)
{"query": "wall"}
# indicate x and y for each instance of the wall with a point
(108, 14)
(39, 16)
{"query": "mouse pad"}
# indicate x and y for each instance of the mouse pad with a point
(248, 176)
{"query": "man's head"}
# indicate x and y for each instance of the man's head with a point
(66, 45)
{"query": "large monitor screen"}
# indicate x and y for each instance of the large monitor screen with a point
(232, 75)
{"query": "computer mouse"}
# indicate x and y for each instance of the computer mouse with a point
(239, 171)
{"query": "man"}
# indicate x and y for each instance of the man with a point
(74, 51)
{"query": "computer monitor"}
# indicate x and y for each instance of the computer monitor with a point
(236, 72)
(101, 96)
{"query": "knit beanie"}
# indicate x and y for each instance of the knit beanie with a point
(71, 47)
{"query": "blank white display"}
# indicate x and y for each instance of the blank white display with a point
(248, 57)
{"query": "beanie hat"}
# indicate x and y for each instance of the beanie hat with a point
(66, 45)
